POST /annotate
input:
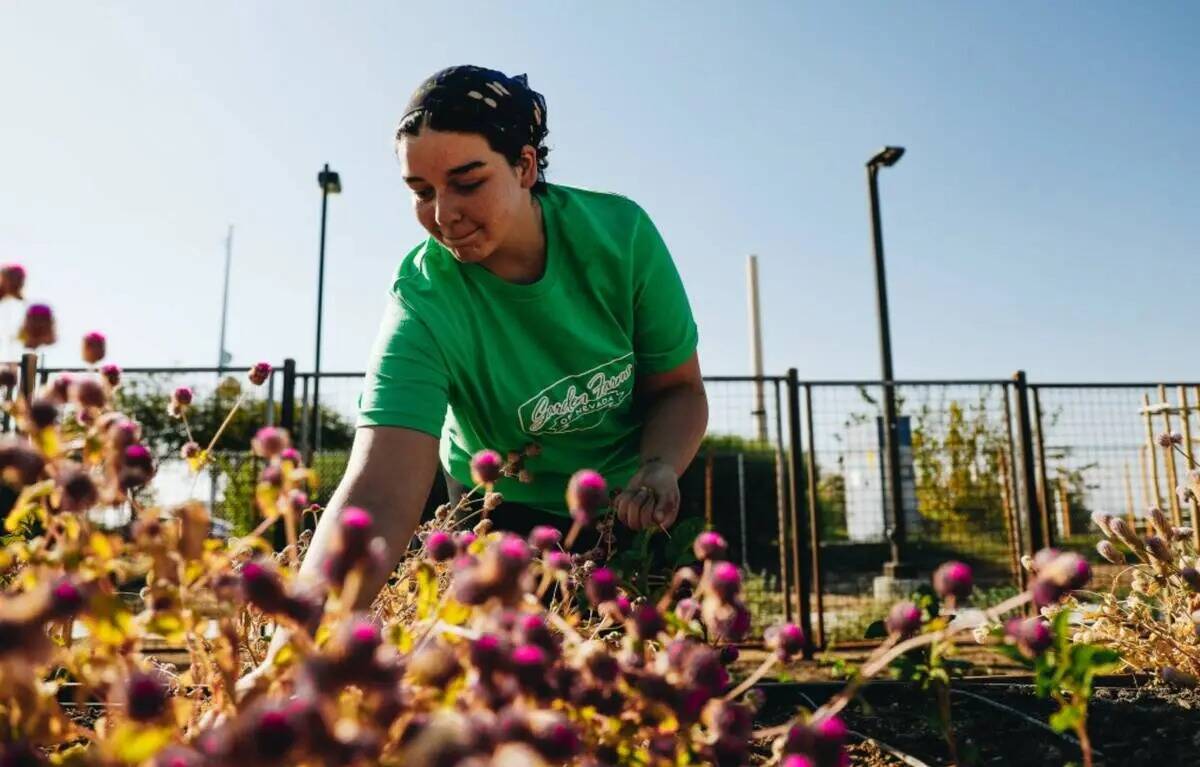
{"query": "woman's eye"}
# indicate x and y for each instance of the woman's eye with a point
(468, 188)
(423, 194)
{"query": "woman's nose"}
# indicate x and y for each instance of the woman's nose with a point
(446, 213)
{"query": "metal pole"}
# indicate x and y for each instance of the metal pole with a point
(800, 526)
(891, 442)
(1047, 527)
(314, 414)
(287, 404)
(27, 375)
(741, 466)
(224, 304)
(814, 513)
(1029, 494)
(756, 355)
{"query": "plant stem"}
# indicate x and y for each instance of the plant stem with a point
(1085, 743)
(749, 681)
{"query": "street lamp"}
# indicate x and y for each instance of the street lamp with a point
(330, 184)
(886, 158)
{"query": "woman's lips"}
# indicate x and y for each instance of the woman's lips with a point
(456, 241)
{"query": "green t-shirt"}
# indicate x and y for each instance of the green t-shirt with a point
(484, 363)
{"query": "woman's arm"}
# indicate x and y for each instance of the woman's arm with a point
(389, 474)
(676, 420)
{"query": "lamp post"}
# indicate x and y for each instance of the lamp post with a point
(330, 184)
(886, 158)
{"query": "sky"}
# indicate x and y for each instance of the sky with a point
(1043, 218)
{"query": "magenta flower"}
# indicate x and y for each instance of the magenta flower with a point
(259, 374)
(145, 697)
(269, 442)
(529, 663)
(602, 586)
(262, 586)
(710, 545)
(559, 561)
(439, 546)
(94, 347)
(904, 619)
(183, 395)
(646, 621)
(12, 281)
(89, 393)
(787, 641)
(355, 525)
(953, 581)
(38, 327)
(587, 493)
(725, 580)
(66, 599)
(1032, 636)
(291, 454)
(485, 467)
(544, 537)
(112, 374)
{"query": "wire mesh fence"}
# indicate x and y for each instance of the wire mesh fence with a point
(793, 477)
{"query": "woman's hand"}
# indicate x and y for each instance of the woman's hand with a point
(651, 499)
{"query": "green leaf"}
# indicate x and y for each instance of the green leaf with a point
(679, 549)
(1066, 718)
(876, 630)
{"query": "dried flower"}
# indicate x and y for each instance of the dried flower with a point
(12, 281)
(485, 467)
(1110, 552)
(1102, 520)
(38, 327)
(1191, 577)
(77, 491)
(953, 581)
(1158, 548)
(903, 619)
(189, 450)
(1158, 518)
(259, 374)
(1167, 440)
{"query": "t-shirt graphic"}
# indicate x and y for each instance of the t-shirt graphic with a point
(580, 401)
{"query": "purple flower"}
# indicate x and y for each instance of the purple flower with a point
(38, 327)
(112, 374)
(587, 493)
(529, 663)
(725, 580)
(269, 442)
(146, 697)
(66, 599)
(602, 586)
(259, 374)
(512, 554)
(262, 587)
(559, 561)
(94, 346)
(439, 546)
(787, 641)
(646, 621)
(485, 467)
(544, 537)
(183, 396)
(464, 539)
(356, 526)
(953, 581)
(904, 619)
(1045, 592)
(489, 653)
(89, 393)
(138, 456)
(291, 454)
(1031, 635)
(710, 545)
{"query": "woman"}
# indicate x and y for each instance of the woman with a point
(533, 313)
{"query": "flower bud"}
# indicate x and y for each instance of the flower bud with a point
(544, 537)
(953, 581)
(1158, 548)
(710, 545)
(12, 281)
(587, 493)
(512, 554)
(903, 619)
(1045, 591)
(433, 666)
(1110, 552)
(797, 760)
(189, 450)
(183, 396)
(262, 587)
(66, 599)
(1101, 520)
(787, 641)
(1125, 533)
(602, 586)
(439, 546)
(1159, 519)
(485, 467)
(556, 739)
(529, 664)
(646, 622)
(112, 374)
(492, 500)
(259, 374)
(38, 327)
(1169, 439)
(725, 580)
(355, 526)
(489, 653)
(1031, 635)
(93, 347)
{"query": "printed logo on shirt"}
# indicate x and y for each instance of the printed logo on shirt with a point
(579, 401)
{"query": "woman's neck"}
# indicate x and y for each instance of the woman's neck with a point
(522, 257)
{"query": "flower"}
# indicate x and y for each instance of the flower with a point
(38, 327)
(710, 545)
(189, 450)
(787, 640)
(1032, 636)
(1110, 552)
(1168, 440)
(544, 537)
(66, 599)
(145, 696)
(262, 587)
(77, 491)
(485, 467)
(529, 664)
(1102, 520)
(903, 619)
(112, 374)
(646, 621)
(725, 580)
(94, 346)
(43, 412)
(259, 374)
(559, 561)
(12, 281)
(587, 494)
(89, 393)
(269, 441)
(602, 585)
(953, 581)
(439, 546)
(1158, 548)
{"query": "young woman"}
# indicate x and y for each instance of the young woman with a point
(533, 313)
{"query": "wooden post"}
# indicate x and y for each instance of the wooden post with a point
(1064, 506)
(1152, 458)
(1169, 460)
(1186, 412)
(1144, 481)
(1129, 498)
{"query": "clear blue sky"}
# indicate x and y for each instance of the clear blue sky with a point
(1045, 216)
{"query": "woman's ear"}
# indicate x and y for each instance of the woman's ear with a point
(527, 167)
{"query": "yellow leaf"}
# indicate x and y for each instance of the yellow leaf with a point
(400, 637)
(18, 516)
(455, 613)
(167, 625)
(134, 744)
(322, 635)
(285, 657)
(426, 590)
(46, 441)
(101, 546)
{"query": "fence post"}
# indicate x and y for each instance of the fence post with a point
(1047, 517)
(287, 401)
(27, 377)
(800, 528)
(1029, 495)
(814, 513)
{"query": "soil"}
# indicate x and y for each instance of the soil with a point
(1128, 726)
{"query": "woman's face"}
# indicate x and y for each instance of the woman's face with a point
(465, 193)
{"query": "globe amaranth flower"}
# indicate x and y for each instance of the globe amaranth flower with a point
(904, 619)
(602, 586)
(112, 374)
(710, 545)
(38, 327)
(587, 495)
(269, 441)
(439, 546)
(12, 281)
(952, 581)
(485, 467)
(259, 374)
(1032, 636)
(786, 641)
(544, 537)
(94, 347)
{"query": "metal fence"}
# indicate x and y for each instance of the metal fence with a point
(792, 473)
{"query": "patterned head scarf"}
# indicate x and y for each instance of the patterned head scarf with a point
(490, 101)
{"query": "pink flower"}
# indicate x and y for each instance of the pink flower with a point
(602, 586)
(725, 580)
(1032, 636)
(904, 619)
(112, 374)
(259, 374)
(269, 442)
(787, 641)
(587, 493)
(953, 581)
(710, 545)
(485, 467)
(38, 327)
(94, 347)
(439, 546)
(66, 599)
(544, 537)
(559, 561)
(89, 393)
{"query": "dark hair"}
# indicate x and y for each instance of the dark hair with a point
(468, 99)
